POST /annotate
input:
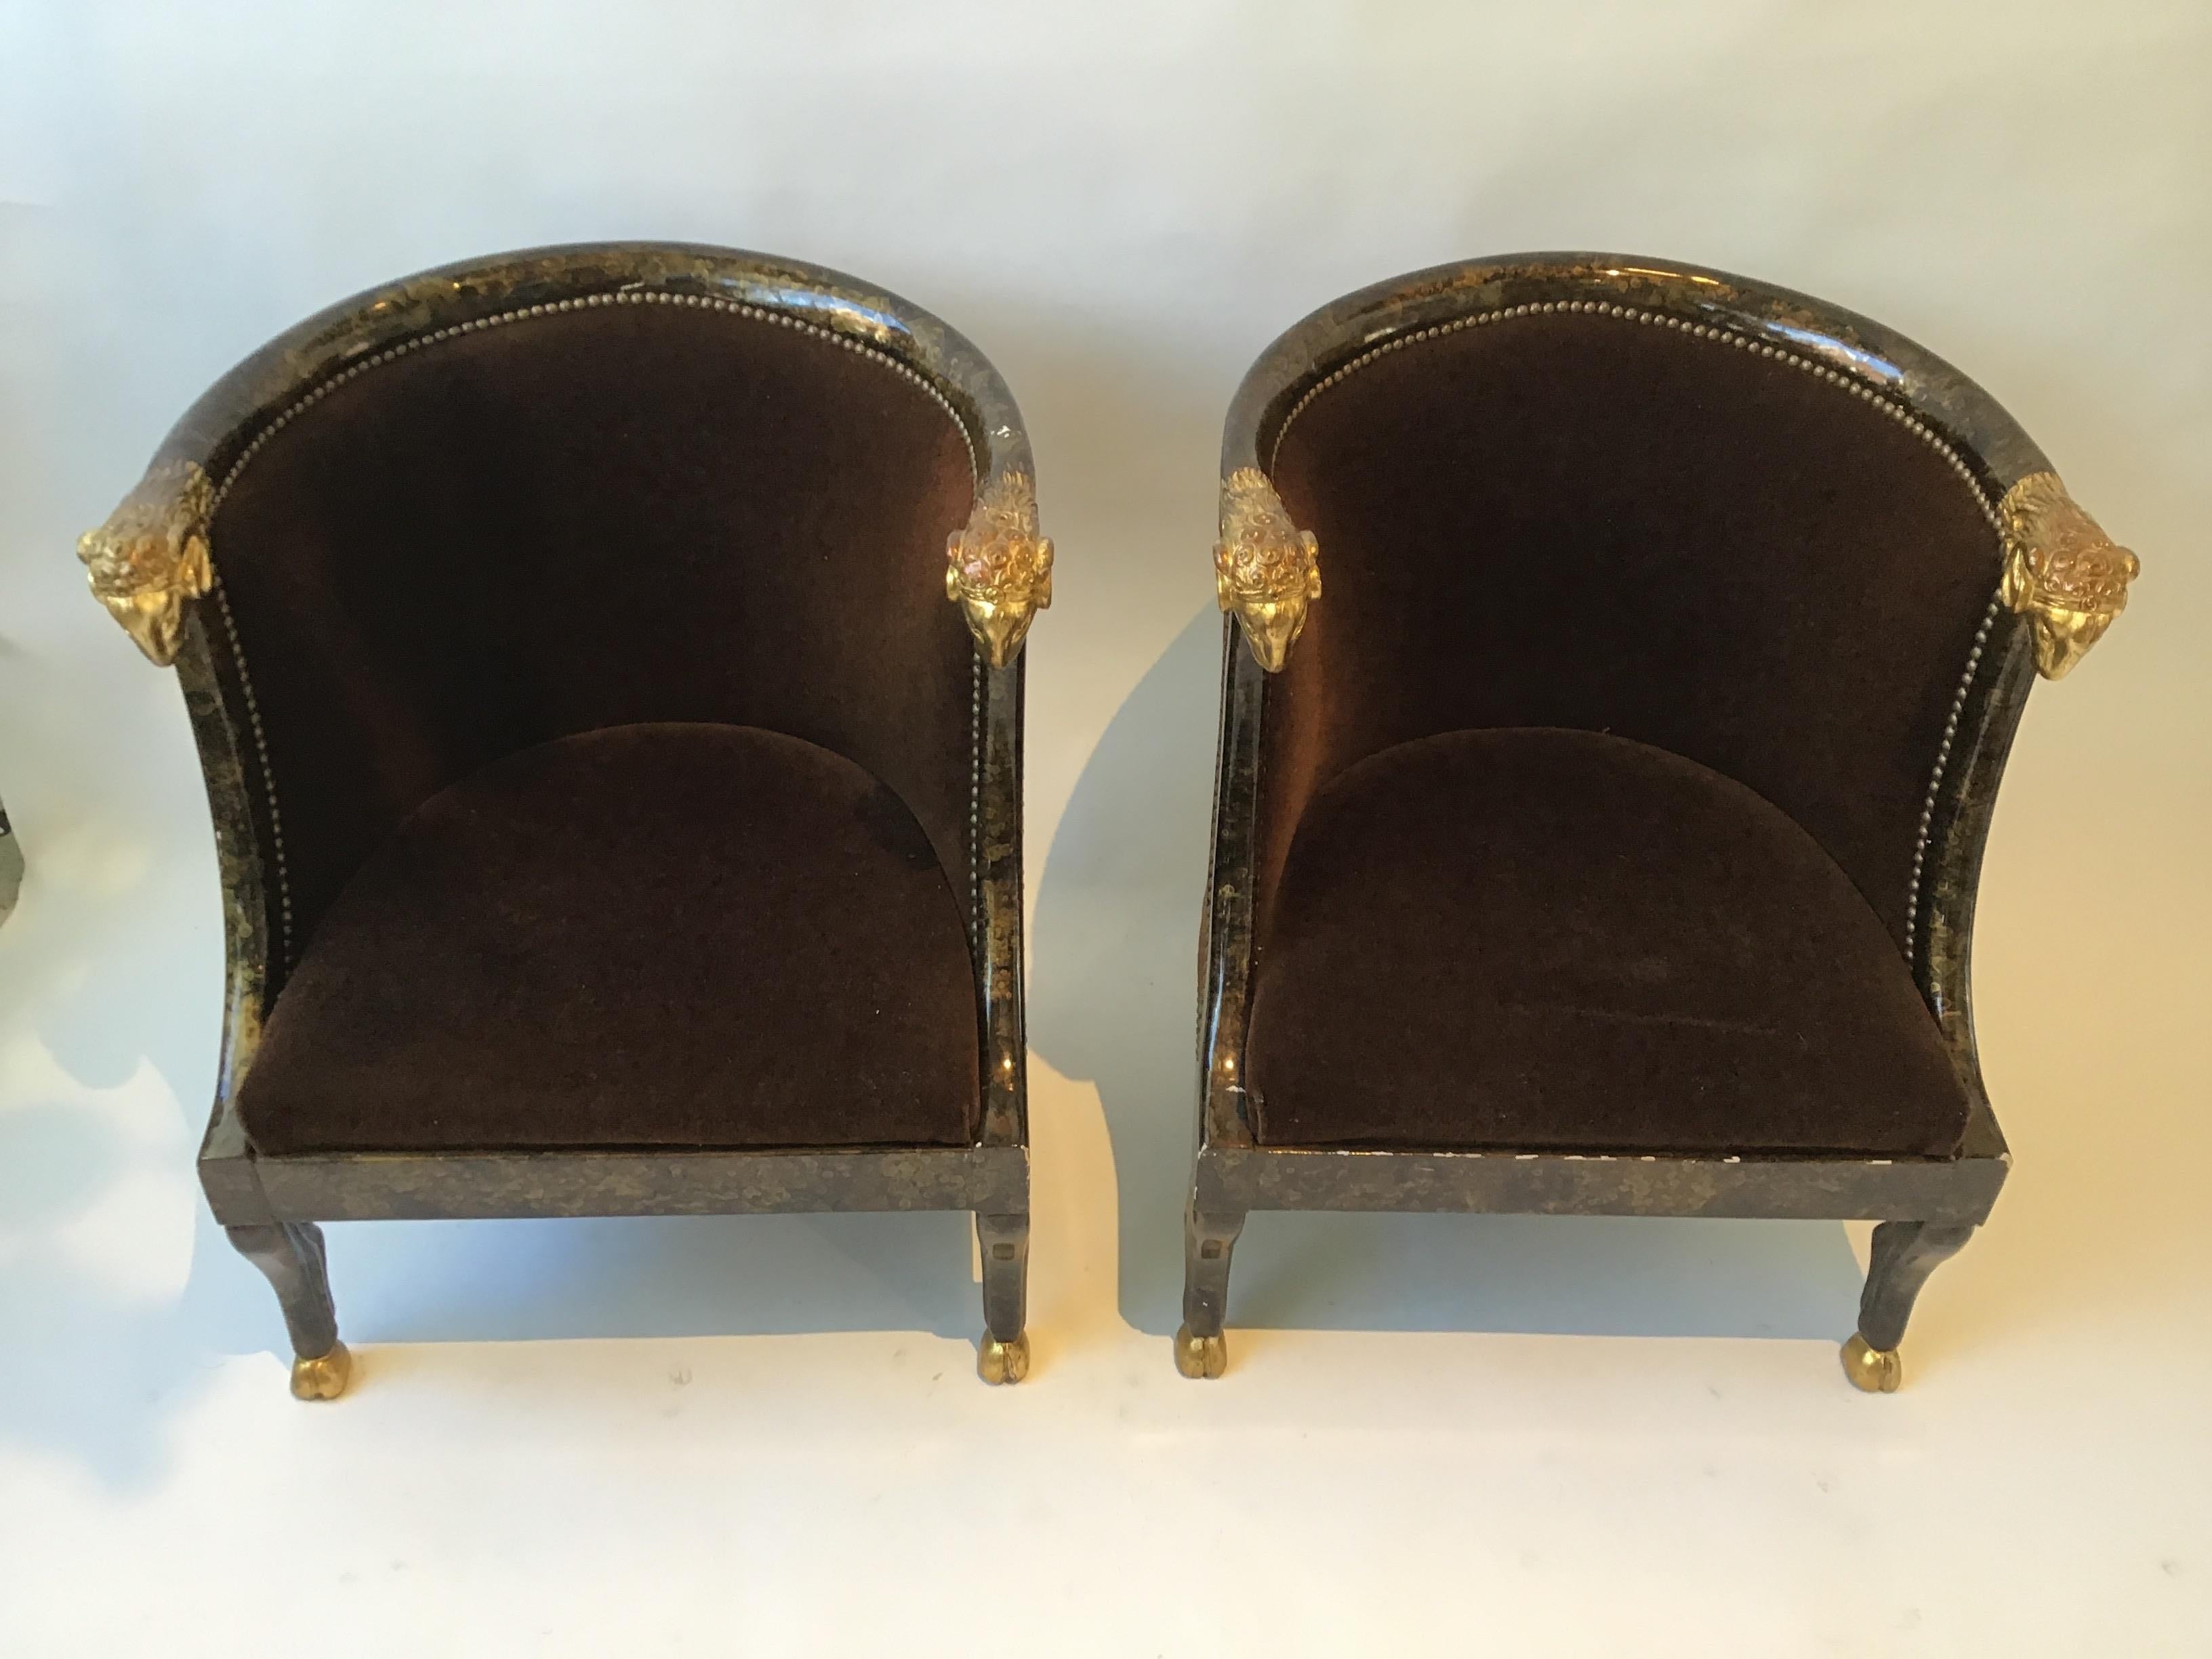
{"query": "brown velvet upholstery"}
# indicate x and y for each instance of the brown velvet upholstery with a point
(1544, 939)
(1581, 521)
(666, 935)
(597, 517)
(1584, 523)
(621, 739)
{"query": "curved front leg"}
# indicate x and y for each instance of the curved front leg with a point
(1905, 1254)
(290, 1255)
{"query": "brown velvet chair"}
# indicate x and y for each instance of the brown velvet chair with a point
(605, 661)
(1604, 838)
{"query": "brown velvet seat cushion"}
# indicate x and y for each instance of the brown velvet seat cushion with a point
(658, 935)
(1540, 939)
(610, 516)
(1576, 520)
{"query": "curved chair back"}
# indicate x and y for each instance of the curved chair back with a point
(1616, 494)
(536, 495)
(1608, 494)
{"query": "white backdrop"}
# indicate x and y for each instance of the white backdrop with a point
(765, 1436)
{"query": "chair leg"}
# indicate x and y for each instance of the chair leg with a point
(290, 1255)
(1905, 1254)
(1004, 1353)
(1209, 1238)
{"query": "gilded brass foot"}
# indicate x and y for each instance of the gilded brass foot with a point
(1201, 1356)
(1000, 1362)
(325, 1378)
(1877, 1370)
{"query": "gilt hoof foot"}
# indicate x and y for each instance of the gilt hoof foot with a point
(1877, 1370)
(997, 1362)
(1201, 1356)
(324, 1377)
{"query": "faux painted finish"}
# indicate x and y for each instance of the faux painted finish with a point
(218, 431)
(1938, 1197)
(1944, 1199)
(1878, 357)
(1995, 682)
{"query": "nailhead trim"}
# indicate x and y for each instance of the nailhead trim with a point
(1758, 348)
(976, 802)
(476, 326)
(1942, 761)
(261, 754)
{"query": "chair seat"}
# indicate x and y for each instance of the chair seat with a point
(646, 936)
(1551, 940)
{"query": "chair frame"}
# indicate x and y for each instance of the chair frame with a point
(269, 1204)
(1927, 1207)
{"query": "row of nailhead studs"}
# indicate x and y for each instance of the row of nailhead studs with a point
(1758, 348)
(585, 303)
(454, 331)
(1209, 937)
(975, 798)
(268, 784)
(1942, 760)
(1655, 319)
